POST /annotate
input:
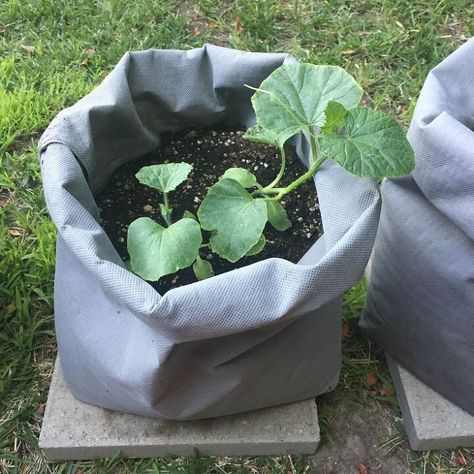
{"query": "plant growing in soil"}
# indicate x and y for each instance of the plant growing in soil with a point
(318, 101)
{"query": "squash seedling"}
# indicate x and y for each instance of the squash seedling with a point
(319, 101)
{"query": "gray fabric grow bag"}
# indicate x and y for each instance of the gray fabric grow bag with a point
(262, 335)
(420, 305)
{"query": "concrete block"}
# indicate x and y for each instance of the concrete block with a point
(73, 430)
(431, 421)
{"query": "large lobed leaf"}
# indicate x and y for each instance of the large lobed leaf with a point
(165, 177)
(156, 251)
(259, 134)
(294, 97)
(369, 143)
(235, 218)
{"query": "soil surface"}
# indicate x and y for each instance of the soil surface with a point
(361, 438)
(211, 152)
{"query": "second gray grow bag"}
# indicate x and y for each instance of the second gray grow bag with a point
(261, 335)
(420, 304)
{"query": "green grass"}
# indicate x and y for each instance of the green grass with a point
(389, 46)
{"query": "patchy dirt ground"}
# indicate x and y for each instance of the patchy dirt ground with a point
(362, 439)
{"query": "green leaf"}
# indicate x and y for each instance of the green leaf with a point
(156, 251)
(293, 98)
(242, 176)
(235, 218)
(277, 216)
(202, 269)
(258, 247)
(335, 114)
(189, 215)
(259, 134)
(165, 177)
(370, 144)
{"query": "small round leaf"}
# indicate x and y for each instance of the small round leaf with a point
(335, 114)
(156, 251)
(242, 176)
(165, 177)
(277, 216)
(202, 269)
(258, 247)
(235, 218)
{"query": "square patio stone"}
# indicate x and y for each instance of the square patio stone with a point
(431, 421)
(73, 430)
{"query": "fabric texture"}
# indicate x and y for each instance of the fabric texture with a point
(257, 336)
(420, 305)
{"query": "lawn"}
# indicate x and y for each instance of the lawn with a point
(54, 52)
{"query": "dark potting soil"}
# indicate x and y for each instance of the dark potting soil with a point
(211, 152)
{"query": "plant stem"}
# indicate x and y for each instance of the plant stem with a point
(167, 210)
(315, 164)
(281, 172)
(270, 190)
(270, 187)
(314, 149)
(304, 177)
(167, 219)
